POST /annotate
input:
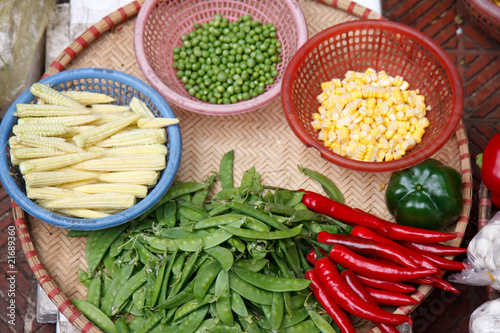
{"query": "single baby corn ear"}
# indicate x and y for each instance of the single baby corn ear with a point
(156, 122)
(144, 177)
(141, 108)
(40, 129)
(92, 201)
(37, 141)
(98, 134)
(53, 96)
(48, 110)
(52, 178)
(139, 191)
(152, 162)
(88, 97)
(56, 162)
(77, 120)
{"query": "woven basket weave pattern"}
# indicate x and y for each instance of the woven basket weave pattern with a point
(261, 138)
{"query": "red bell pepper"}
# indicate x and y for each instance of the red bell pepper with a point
(490, 169)
(333, 309)
(340, 292)
(368, 247)
(326, 206)
(369, 267)
(356, 285)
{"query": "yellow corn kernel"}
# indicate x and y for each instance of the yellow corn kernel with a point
(323, 135)
(139, 191)
(52, 178)
(370, 154)
(40, 129)
(405, 85)
(423, 123)
(124, 163)
(368, 120)
(98, 134)
(359, 153)
(53, 96)
(47, 110)
(398, 80)
(147, 178)
(418, 134)
(327, 85)
(316, 125)
(36, 141)
(322, 97)
(92, 201)
(343, 135)
(50, 193)
(88, 97)
(316, 116)
(56, 162)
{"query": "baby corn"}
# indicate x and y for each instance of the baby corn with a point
(52, 178)
(147, 178)
(152, 162)
(88, 97)
(140, 191)
(53, 96)
(92, 201)
(56, 162)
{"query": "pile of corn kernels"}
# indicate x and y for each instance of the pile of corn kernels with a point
(370, 116)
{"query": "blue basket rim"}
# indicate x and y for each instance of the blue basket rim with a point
(164, 183)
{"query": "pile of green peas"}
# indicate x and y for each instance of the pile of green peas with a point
(222, 62)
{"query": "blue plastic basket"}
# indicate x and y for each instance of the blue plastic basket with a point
(122, 87)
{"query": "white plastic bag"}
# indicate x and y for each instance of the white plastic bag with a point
(483, 258)
(486, 318)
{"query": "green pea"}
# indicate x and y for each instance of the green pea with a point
(95, 315)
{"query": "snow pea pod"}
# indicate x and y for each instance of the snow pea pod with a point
(249, 210)
(215, 221)
(269, 282)
(299, 315)
(179, 232)
(121, 325)
(306, 326)
(175, 191)
(223, 294)
(222, 255)
(188, 308)
(94, 291)
(326, 183)
(150, 323)
(191, 244)
(277, 311)
(127, 289)
(185, 295)
(193, 320)
(122, 276)
(238, 305)
(226, 169)
(251, 264)
(99, 243)
(320, 322)
(162, 244)
(252, 234)
(169, 214)
(95, 315)
(204, 278)
(192, 211)
(249, 291)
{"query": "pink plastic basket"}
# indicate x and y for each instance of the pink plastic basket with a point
(161, 23)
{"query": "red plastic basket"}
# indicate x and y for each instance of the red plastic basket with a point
(161, 23)
(485, 15)
(381, 45)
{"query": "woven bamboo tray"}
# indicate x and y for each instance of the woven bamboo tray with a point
(261, 138)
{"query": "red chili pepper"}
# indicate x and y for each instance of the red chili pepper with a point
(312, 255)
(374, 236)
(368, 247)
(326, 206)
(437, 282)
(437, 249)
(329, 277)
(386, 285)
(368, 267)
(333, 309)
(384, 297)
(356, 285)
(443, 263)
(401, 232)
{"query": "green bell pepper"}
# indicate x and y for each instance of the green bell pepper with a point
(427, 195)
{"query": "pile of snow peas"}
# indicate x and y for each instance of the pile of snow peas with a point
(233, 261)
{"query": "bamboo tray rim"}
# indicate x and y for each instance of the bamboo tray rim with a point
(110, 22)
